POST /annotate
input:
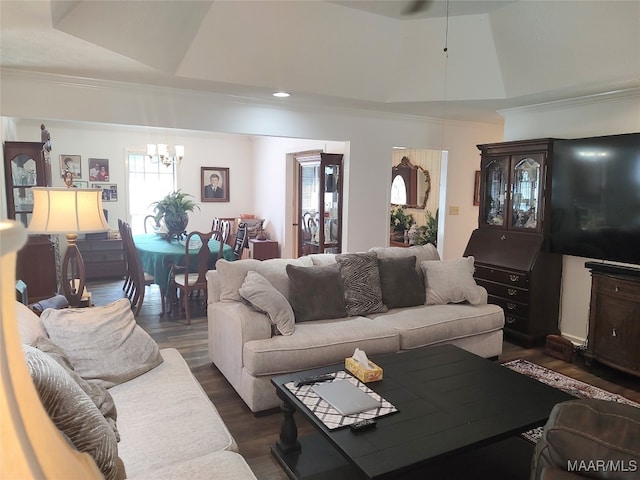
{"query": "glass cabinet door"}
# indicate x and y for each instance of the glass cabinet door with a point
(525, 193)
(331, 224)
(494, 194)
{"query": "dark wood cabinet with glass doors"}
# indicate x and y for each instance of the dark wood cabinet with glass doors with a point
(26, 165)
(511, 243)
(319, 203)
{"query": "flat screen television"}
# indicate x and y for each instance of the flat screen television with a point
(595, 198)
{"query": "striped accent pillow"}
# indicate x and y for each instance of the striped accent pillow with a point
(361, 277)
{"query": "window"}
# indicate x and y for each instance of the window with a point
(149, 180)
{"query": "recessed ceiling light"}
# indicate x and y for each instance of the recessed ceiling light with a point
(399, 148)
(280, 94)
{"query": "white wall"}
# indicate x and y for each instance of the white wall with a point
(92, 140)
(371, 137)
(590, 116)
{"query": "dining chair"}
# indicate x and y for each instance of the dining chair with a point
(186, 281)
(150, 224)
(215, 225)
(127, 285)
(139, 278)
(241, 241)
(225, 228)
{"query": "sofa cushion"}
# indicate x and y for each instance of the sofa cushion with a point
(232, 274)
(401, 285)
(317, 344)
(72, 411)
(263, 297)
(99, 395)
(224, 465)
(104, 344)
(361, 278)
(29, 326)
(316, 292)
(323, 258)
(432, 324)
(165, 418)
(451, 281)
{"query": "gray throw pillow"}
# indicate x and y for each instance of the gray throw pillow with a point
(104, 344)
(361, 279)
(316, 293)
(72, 411)
(401, 284)
(99, 395)
(265, 298)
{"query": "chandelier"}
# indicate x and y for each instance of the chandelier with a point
(164, 154)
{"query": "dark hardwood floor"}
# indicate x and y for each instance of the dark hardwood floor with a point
(254, 434)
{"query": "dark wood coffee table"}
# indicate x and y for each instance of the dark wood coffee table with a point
(451, 403)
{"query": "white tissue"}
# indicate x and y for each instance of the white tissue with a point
(361, 357)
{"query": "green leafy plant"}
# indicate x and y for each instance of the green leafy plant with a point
(400, 219)
(174, 204)
(427, 233)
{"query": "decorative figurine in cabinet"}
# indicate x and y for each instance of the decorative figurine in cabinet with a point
(27, 166)
(510, 246)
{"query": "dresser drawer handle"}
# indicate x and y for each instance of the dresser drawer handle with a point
(511, 320)
(512, 291)
(503, 237)
(514, 278)
(616, 289)
(511, 306)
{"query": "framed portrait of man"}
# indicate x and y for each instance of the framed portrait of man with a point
(215, 184)
(71, 164)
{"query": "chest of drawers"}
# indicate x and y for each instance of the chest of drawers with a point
(103, 258)
(521, 278)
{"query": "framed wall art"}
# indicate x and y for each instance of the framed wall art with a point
(71, 164)
(109, 192)
(80, 184)
(214, 184)
(99, 169)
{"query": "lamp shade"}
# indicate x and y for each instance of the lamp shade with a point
(66, 210)
(31, 445)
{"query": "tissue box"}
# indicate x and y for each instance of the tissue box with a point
(365, 375)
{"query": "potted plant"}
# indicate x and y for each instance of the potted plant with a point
(400, 222)
(427, 233)
(173, 209)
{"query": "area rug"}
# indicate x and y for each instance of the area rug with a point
(561, 382)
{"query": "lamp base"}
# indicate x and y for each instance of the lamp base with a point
(73, 285)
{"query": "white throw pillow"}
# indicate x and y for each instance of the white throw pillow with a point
(29, 325)
(451, 281)
(263, 297)
(104, 344)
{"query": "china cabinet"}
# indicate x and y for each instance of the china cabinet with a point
(614, 316)
(510, 245)
(26, 166)
(320, 203)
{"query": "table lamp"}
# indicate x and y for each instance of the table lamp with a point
(32, 446)
(69, 211)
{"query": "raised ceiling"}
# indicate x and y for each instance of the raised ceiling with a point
(360, 54)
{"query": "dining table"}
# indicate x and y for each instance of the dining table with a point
(157, 254)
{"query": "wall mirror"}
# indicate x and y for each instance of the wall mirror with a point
(410, 184)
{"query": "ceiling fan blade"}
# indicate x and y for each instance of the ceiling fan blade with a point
(417, 6)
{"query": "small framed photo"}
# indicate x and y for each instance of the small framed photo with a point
(70, 164)
(99, 169)
(80, 184)
(476, 189)
(215, 184)
(109, 192)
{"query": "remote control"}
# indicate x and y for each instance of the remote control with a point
(362, 425)
(314, 379)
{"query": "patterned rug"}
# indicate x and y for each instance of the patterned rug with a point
(564, 383)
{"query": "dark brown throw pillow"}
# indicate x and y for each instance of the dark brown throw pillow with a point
(400, 282)
(316, 293)
(361, 283)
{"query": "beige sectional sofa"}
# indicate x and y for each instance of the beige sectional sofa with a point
(245, 342)
(167, 426)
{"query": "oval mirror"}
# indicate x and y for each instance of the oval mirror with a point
(414, 181)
